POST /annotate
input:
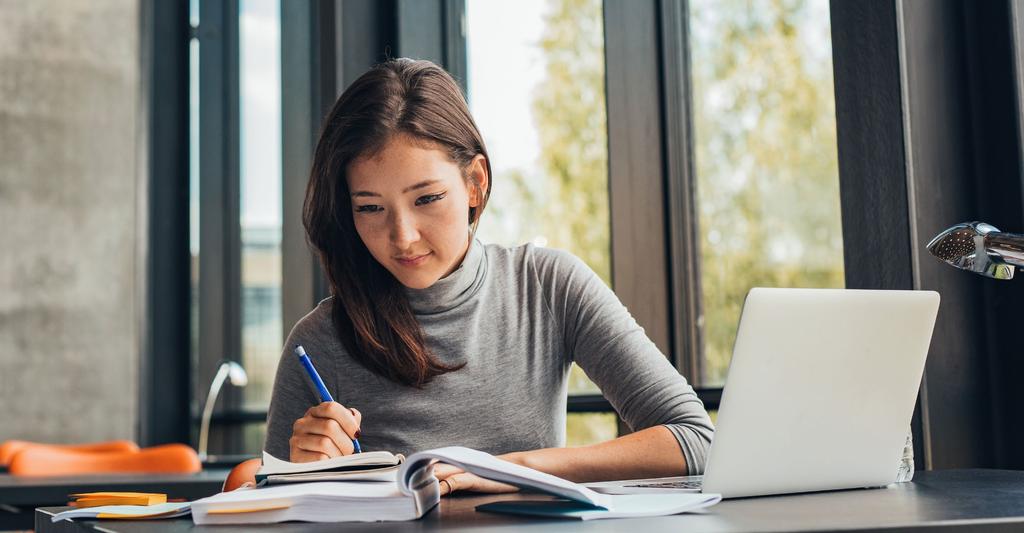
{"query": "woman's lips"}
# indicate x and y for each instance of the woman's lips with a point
(412, 261)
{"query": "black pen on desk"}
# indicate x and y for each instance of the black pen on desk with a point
(325, 395)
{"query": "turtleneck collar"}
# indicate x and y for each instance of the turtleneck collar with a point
(454, 289)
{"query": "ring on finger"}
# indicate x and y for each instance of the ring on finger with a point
(448, 483)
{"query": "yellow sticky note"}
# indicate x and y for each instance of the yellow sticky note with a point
(94, 499)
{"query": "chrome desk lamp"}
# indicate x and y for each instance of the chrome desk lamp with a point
(228, 370)
(980, 248)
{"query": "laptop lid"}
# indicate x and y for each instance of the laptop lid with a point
(820, 391)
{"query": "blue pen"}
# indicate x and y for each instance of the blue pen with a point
(325, 396)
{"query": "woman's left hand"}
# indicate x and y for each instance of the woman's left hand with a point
(454, 479)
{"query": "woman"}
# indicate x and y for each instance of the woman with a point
(432, 338)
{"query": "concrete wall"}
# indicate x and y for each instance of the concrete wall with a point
(69, 97)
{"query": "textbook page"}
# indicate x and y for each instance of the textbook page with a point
(488, 466)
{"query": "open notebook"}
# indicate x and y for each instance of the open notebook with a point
(415, 491)
(367, 466)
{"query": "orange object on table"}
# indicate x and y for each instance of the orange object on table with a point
(244, 472)
(49, 461)
(8, 449)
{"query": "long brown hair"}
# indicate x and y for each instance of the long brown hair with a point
(371, 312)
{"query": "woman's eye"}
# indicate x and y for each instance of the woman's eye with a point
(423, 200)
(369, 208)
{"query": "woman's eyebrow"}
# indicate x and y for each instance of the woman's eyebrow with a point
(420, 185)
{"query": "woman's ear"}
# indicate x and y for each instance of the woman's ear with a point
(479, 181)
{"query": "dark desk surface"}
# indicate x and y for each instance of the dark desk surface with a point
(19, 496)
(39, 491)
(950, 500)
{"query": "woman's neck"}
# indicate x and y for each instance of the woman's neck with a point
(454, 288)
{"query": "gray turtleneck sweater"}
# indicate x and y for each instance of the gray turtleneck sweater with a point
(518, 317)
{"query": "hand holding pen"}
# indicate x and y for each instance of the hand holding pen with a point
(326, 430)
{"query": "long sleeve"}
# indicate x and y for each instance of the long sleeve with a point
(615, 352)
(293, 393)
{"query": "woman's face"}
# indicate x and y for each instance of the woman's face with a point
(410, 204)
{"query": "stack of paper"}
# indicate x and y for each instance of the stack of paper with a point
(128, 512)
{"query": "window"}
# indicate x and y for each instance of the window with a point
(765, 158)
(536, 89)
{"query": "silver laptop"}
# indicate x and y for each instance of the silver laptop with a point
(819, 395)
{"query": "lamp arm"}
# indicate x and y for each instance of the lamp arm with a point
(1010, 245)
(211, 400)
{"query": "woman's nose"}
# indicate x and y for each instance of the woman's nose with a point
(403, 231)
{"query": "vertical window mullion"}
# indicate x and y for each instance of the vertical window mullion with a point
(682, 232)
(219, 232)
(635, 168)
(232, 210)
(300, 119)
(454, 44)
(164, 373)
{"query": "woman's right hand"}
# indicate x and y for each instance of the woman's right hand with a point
(325, 431)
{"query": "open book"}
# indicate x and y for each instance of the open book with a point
(414, 491)
(368, 466)
(583, 503)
